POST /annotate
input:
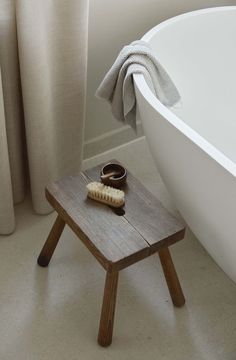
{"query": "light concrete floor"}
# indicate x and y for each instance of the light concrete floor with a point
(53, 313)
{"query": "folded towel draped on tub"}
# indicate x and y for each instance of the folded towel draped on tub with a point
(118, 87)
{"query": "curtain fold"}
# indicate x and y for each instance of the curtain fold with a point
(43, 57)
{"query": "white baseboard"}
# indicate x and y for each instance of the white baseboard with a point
(110, 140)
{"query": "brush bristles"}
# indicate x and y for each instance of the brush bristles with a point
(106, 194)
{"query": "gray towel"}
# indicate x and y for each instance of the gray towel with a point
(118, 88)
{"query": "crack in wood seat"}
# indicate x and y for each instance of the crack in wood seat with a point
(116, 241)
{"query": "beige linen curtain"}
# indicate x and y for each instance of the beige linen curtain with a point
(43, 49)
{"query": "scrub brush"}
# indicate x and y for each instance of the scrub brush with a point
(106, 194)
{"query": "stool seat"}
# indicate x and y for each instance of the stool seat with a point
(115, 241)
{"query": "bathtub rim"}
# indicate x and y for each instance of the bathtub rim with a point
(173, 119)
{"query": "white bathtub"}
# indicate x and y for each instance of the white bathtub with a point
(194, 146)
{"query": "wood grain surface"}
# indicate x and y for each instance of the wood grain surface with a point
(116, 241)
(108, 309)
(146, 213)
(144, 228)
(51, 242)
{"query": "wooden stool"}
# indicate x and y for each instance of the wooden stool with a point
(115, 241)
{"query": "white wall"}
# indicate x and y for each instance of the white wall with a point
(113, 24)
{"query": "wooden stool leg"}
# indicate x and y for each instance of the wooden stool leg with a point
(172, 280)
(108, 309)
(51, 242)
